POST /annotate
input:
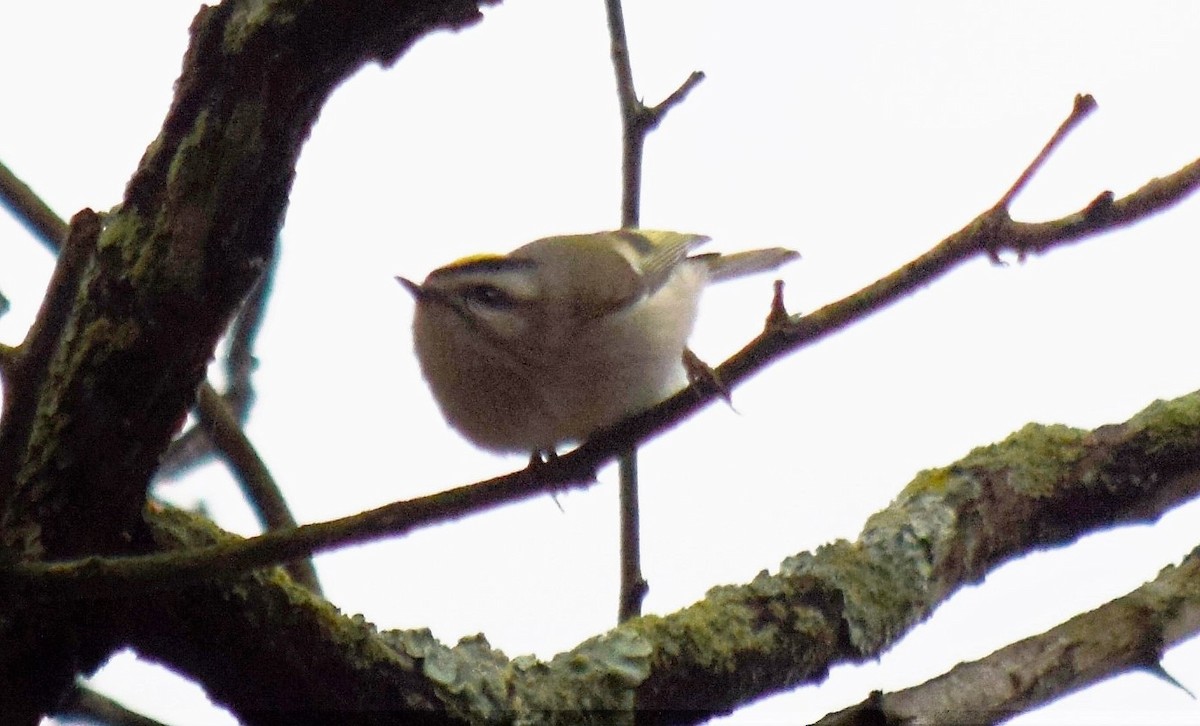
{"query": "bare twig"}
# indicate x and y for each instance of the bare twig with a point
(631, 109)
(257, 483)
(637, 121)
(990, 233)
(260, 486)
(633, 585)
(1084, 105)
(239, 360)
(633, 582)
(186, 451)
(778, 315)
(29, 209)
(653, 115)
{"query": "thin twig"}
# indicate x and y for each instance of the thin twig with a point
(633, 582)
(778, 315)
(257, 483)
(637, 121)
(30, 210)
(188, 450)
(655, 114)
(633, 136)
(239, 360)
(622, 66)
(1084, 105)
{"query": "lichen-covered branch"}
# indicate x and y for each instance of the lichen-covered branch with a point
(216, 420)
(89, 706)
(308, 664)
(1044, 485)
(1129, 633)
(845, 602)
(193, 446)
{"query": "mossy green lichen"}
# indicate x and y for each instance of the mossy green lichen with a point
(712, 632)
(127, 232)
(113, 335)
(880, 581)
(212, 156)
(1034, 459)
(1169, 427)
(187, 151)
(120, 228)
(249, 18)
(97, 341)
(931, 481)
(241, 142)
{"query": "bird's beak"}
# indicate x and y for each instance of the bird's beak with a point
(413, 288)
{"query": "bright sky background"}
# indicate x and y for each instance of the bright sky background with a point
(860, 134)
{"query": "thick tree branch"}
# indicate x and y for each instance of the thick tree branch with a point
(92, 707)
(217, 422)
(1043, 486)
(310, 663)
(1126, 634)
(8, 359)
(140, 304)
(194, 446)
(845, 602)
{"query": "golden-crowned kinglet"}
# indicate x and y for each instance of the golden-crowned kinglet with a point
(564, 335)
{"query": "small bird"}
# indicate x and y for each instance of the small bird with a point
(565, 335)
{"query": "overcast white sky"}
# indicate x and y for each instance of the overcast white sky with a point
(860, 134)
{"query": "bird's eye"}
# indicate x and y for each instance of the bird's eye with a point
(489, 296)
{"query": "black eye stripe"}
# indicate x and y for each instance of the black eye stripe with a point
(489, 296)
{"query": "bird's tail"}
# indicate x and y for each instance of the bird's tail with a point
(750, 262)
